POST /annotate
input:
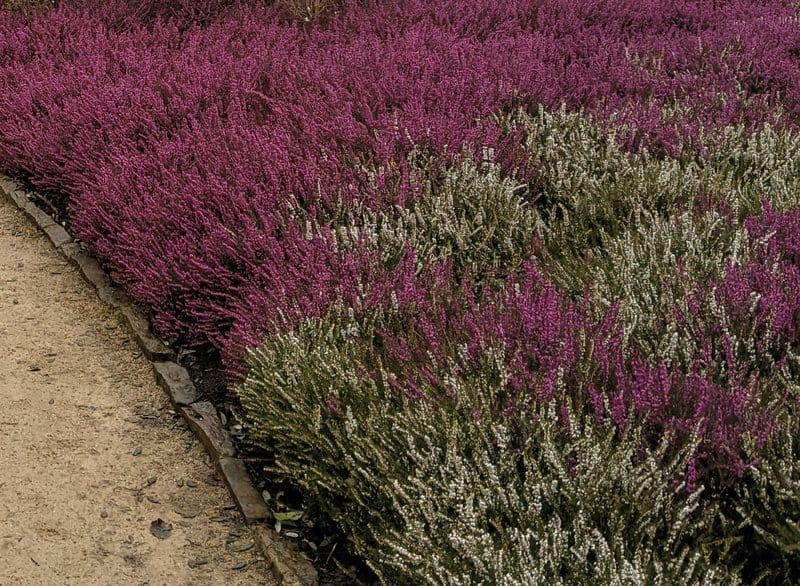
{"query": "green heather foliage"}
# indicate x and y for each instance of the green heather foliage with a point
(437, 495)
(747, 168)
(468, 213)
(654, 267)
(586, 188)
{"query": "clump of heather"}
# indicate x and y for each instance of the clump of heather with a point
(706, 285)
(759, 298)
(439, 486)
(666, 241)
(26, 8)
(704, 315)
(765, 510)
(683, 332)
(465, 213)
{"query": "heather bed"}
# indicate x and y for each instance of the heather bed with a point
(530, 267)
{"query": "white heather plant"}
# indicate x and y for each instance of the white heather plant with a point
(744, 170)
(586, 188)
(440, 496)
(471, 214)
(639, 269)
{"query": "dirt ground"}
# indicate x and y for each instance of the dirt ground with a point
(90, 452)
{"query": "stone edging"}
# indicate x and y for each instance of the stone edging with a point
(288, 566)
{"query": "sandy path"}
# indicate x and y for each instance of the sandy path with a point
(83, 430)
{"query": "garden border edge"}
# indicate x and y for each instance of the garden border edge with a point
(286, 563)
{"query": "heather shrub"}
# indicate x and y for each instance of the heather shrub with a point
(697, 293)
(766, 510)
(716, 351)
(308, 10)
(589, 192)
(466, 211)
(746, 169)
(451, 491)
(414, 342)
(27, 8)
(649, 235)
(585, 188)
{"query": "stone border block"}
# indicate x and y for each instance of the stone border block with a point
(177, 382)
(39, 216)
(152, 347)
(70, 249)
(57, 235)
(91, 270)
(204, 420)
(18, 197)
(290, 567)
(251, 505)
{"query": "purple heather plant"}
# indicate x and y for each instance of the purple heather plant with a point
(178, 148)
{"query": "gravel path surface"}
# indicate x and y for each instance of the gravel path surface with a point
(91, 456)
